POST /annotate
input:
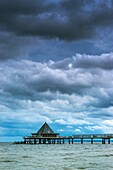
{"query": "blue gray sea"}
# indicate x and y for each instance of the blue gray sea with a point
(56, 156)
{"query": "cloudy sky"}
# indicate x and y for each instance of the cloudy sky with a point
(56, 66)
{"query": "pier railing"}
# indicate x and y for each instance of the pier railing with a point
(88, 136)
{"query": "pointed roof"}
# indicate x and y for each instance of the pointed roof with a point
(45, 129)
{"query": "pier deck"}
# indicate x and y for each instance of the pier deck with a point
(70, 139)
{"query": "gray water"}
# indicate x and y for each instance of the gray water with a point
(56, 157)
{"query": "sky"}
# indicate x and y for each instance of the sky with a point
(56, 66)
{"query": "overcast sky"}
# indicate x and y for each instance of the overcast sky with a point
(56, 66)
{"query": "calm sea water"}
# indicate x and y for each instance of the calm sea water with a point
(56, 157)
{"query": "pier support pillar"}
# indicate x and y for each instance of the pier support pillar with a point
(39, 141)
(44, 141)
(91, 140)
(103, 141)
(109, 141)
(69, 141)
(24, 141)
(34, 141)
(81, 140)
(72, 141)
(50, 141)
(63, 141)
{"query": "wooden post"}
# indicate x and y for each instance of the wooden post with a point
(39, 141)
(108, 140)
(44, 141)
(69, 141)
(103, 141)
(72, 140)
(81, 140)
(50, 141)
(34, 141)
(24, 141)
(91, 140)
(29, 141)
(63, 141)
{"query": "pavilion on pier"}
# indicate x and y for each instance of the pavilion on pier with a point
(45, 131)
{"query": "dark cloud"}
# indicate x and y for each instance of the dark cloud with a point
(36, 49)
(30, 28)
(104, 61)
(25, 7)
(68, 20)
(12, 46)
(30, 80)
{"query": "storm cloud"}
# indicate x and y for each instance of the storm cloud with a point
(51, 29)
(67, 20)
(56, 65)
(81, 75)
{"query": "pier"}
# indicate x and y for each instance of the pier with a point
(103, 138)
(46, 135)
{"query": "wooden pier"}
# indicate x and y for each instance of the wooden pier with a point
(103, 138)
(46, 135)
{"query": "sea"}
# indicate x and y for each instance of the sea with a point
(56, 156)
